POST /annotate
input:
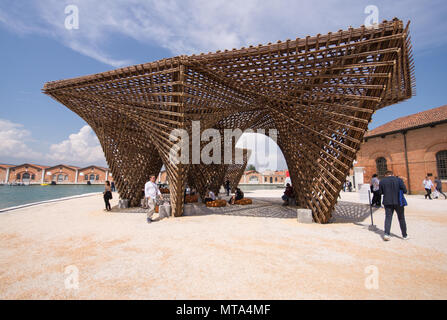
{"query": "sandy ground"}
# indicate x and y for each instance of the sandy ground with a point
(120, 256)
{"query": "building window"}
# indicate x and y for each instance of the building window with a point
(33, 176)
(86, 177)
(97, 177)
(253, 179)
(265, 179)
(54, 177)
(271, 179)
(92, 177)
(18, 177)
(381, 166)
(60, 178)
(66, 177)
(441, 164)
(276, 179)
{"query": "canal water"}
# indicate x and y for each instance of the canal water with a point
(11, 196)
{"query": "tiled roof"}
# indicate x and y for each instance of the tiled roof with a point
(7, 165)
(423, 118)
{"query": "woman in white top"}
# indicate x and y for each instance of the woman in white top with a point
(428, 185)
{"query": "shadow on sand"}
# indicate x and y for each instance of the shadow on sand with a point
(350, 212)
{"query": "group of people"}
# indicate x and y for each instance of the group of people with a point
(427, 183)
(429, 186)
(238, 195)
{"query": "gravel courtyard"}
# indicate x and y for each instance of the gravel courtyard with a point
(253, 252)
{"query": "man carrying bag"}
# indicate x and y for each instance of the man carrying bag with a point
(393, 189)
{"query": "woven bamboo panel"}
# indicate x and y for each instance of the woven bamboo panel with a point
(319, 93)
(235, 171)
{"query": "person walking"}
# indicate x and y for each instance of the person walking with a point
(227, 187)
(113, 186)
(107, 195)
(151, 192)
(376, 200)
(428, 185)
(438, 187)
(350, 186)
(391, 188)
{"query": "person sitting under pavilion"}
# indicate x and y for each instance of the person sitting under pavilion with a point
(288, 194)
(239, 195)
(210, 197)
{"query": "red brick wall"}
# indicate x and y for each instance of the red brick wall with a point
(23, 169)
(2, 174)
(51, 174)
(422, 146)
(92, 170)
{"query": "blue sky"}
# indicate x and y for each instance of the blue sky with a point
(36, 48)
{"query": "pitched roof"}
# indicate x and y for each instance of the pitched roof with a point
(4, 166)
(64, 165)
(30, 165)
(94, 166)
(420, 119)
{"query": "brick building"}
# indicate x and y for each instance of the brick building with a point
(60, 174)
(94, 174)
(266, 177)
(4, 171)
(25, 173)
(412, 147)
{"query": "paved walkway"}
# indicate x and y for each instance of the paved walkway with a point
(118, 255)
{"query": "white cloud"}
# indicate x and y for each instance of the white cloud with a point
(80, 148)
(13, 141)
(265, 153)
(194, 26)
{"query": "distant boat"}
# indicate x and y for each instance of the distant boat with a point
(44, 184)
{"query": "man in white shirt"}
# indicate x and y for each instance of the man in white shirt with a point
(428, 185)
(151, 192)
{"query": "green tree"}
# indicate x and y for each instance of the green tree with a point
(251, 167)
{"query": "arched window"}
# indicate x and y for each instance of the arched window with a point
(441, 164)
(92, 177)
(253, 179)
(60, 178)
(18, 177)
(381, 166)
(86, 177)
(26, 176)
(33, 176)
(97, 177)
(271, 179)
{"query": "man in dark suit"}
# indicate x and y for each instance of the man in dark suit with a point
(390, 187)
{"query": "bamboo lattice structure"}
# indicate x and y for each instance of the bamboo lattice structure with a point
(319, 93)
